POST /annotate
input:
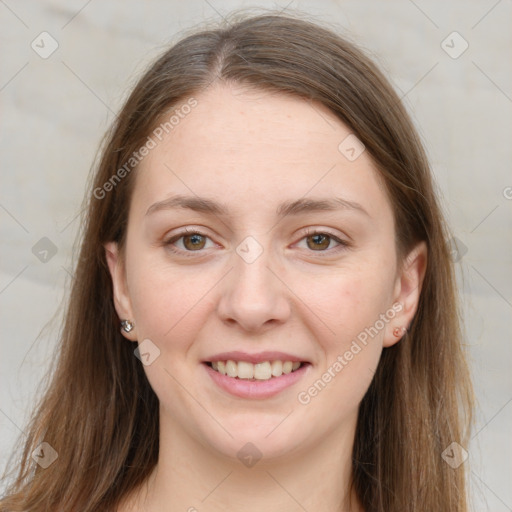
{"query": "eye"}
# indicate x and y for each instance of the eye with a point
(322, 241)
(187, 241)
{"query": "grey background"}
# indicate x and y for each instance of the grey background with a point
(55, 110)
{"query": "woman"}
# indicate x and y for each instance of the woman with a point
(264, 227)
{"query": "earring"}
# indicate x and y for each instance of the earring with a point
(399, 331)
(127, 325)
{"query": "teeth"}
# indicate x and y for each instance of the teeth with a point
(231, 369)
(262, 371)
(259, 371)
(277, 368)
(245, 370)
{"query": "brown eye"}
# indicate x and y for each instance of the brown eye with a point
(188, 242)
(194, 242)
(318, 241)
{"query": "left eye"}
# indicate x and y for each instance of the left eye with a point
(319, 241)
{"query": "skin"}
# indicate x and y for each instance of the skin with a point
(252, 150)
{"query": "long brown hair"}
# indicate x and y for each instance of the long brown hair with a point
(99, 412)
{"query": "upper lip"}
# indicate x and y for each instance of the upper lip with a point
(254, 358)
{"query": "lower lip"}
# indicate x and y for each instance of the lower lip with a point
(255, 389)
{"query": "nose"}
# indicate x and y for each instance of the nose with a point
(252, 296)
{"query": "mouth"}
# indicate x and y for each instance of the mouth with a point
(258, 381)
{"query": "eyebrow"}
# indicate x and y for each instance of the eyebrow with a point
(302, 205)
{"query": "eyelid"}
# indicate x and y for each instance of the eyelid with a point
(308, 231)
(186, 231)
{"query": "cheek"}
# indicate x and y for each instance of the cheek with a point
(167, 302)
(351, 307)
(346, 302)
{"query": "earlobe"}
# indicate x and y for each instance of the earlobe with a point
(407, 293)
(122, 301)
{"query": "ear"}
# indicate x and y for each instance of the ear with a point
(122, 301)
(407, 292)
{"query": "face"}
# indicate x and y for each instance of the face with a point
(291, 251)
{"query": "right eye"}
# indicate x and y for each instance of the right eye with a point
(190, 240)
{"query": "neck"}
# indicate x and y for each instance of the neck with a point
(194, 478)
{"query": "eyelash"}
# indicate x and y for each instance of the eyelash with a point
(309, 232)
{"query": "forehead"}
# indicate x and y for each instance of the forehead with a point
(253, 147)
